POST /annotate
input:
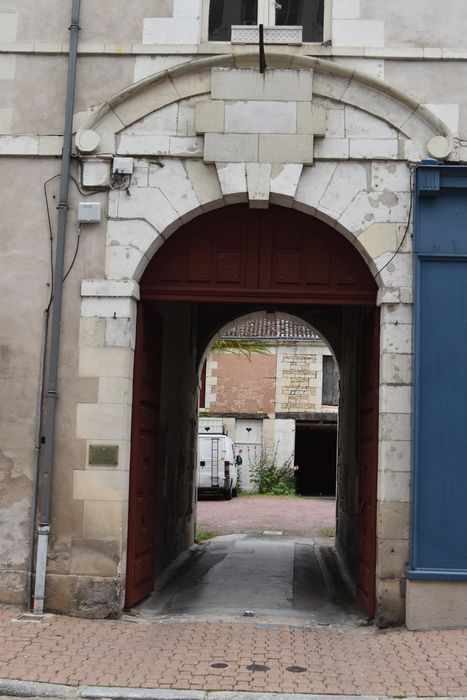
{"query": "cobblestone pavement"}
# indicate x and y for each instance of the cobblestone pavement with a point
(233, 656)
(304, 517)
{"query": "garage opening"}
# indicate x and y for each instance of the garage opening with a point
(215, 269)
(316, 453)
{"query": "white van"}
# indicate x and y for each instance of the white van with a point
(217, 465)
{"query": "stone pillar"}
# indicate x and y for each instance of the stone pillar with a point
(96, 582)
(394, 462)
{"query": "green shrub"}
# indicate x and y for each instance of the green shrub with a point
(327, 532)
(271, 477)
(204, 535)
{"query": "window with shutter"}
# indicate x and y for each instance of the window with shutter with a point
(330, 392)
(309, 14)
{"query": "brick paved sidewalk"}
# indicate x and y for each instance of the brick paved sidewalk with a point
(248, 655)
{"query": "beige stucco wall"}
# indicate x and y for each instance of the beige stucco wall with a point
(25, 255)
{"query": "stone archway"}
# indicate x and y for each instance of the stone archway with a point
(363, 195)
(236, 255)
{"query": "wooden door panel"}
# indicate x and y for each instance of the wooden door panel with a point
(199, 261)
(228, 266)
(318, 263)
(288, 268)
(368, 463)
(144, 452)
(343, 273)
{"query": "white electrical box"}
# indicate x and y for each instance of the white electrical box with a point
(89, 212)
(122, 166)
(95, 173)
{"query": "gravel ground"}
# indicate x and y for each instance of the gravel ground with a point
(299, 516)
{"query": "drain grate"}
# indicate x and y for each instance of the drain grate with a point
(295, 669)
(258, 667)
(219, 664)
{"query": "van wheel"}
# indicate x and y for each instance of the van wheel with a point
(234, 492)
(228, 493)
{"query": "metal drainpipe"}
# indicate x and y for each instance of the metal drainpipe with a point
(51, 394)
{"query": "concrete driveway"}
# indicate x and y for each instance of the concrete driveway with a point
(270, 577)
(270, 555)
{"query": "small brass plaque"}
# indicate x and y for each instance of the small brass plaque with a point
(106, 455)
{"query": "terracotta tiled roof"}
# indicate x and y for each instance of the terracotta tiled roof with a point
(280, 329)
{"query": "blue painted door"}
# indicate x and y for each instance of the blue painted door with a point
(439, 513)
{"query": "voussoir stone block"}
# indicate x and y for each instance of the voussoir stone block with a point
(313, 183)
(258, 176)
(231, 148)
(232, 179)
(374, 148)
(209, 116)
(172, 180)
(159, 94)
(143, 144)
(250, 84)
(311, 119)
(285, 148)
(378, 239)
(205, 183)
(347, 180)
(284, 182)
(261, 116)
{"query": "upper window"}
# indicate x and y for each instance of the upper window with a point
(308, 14)
(330, 395)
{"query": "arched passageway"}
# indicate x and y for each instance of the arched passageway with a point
(214, 269)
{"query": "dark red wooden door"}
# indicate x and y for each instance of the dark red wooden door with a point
(235, 254)
(368, 462)
(144, 451)
(275, 255)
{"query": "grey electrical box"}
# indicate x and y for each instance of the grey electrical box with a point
(89, 212)
(104, 455)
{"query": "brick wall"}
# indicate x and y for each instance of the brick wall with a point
(289, 379)
(242, 385)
